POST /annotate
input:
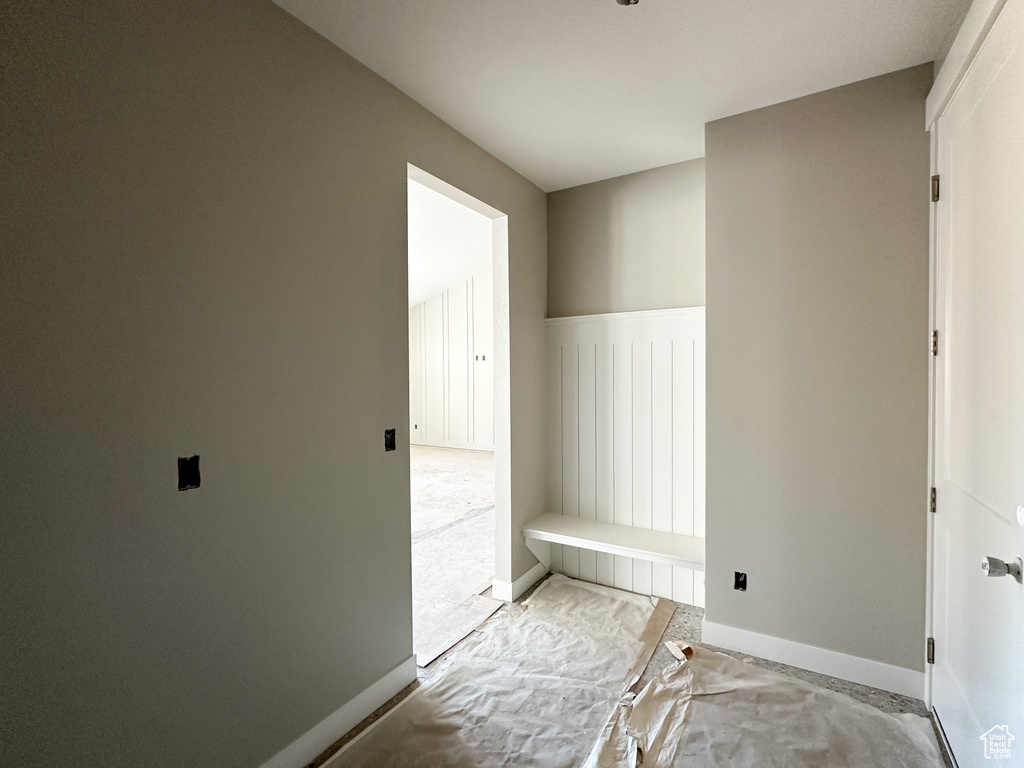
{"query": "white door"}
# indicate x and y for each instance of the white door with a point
(416, 426)
(483, 361)
(459, 368)
(978, 622)
(435, 393)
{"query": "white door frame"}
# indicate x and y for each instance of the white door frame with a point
(973, 32)
(970, 40)
(929, 592)
(502, 588)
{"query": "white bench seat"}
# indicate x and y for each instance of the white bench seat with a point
(640, 543)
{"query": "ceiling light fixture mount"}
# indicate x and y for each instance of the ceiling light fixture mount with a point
(627, 2)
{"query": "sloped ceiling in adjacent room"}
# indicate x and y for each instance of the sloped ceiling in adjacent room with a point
(448, 242)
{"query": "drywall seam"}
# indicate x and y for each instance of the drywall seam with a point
(309, 745)
(876, 674)
(509, 591)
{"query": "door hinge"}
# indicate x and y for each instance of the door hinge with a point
(935, 188)
(935, 343)
(931, 650)
(931, 501)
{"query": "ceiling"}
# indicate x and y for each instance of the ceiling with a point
(572, 91)
(448, 243)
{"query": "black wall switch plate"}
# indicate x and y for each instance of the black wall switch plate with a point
(389, 439)
(740, 581)
(188, 473)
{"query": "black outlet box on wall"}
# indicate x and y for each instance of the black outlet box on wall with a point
(739, 582)
(188, 473)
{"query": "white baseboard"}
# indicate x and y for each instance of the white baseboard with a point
(309, 745)
(509, 591)
(876, 674)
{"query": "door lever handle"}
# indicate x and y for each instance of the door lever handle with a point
(993, 566)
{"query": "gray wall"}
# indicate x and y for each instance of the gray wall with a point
(628, 243)
(817, 369)
(203, 250)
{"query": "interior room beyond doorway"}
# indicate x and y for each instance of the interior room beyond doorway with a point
(451, 418)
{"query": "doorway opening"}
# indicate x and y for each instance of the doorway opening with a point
(456, 276)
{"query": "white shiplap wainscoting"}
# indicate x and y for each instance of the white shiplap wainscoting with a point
(626, 438)
(451, 374)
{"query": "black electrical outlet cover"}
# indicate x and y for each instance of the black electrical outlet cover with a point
(740, 581)
(188, 473)
(389, 439)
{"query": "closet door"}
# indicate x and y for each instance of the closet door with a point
(458, 365)
(416, 373)
(433, 370)
(483, 361)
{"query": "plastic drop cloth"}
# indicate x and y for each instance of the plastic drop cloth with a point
(713, 710)
(535, 690)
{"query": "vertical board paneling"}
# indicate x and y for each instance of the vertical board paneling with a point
(455, 406)
(661, 580)
(698, 437)
(570, 449)
(433, 401)
(626, 409)
(682, 585)
(604, 450)
(570, 432)
(661, 435)
(643, 577)
(556, 559)
(623, 572)
(423, 369)
(588, 565)
(459, 394)
(470, 367)
(587, 450)
(642, 435)
(554, 414)
(483, 360)
(571, 562)
(682, 436)
(622, 436)
(445, 370)
(587, 399)
(415, 371)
